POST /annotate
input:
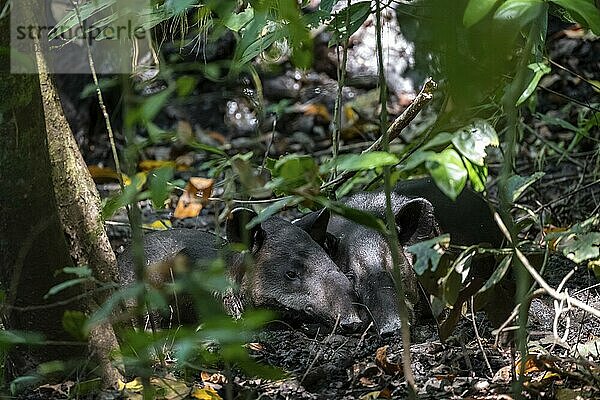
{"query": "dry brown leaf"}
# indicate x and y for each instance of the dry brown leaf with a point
(196, 194)
(382, 362)
(319, 110)
(217, 137)
(213, 378)
(255, 346)
(366, 382)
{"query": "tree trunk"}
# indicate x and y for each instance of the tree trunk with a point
(32, 243)
(79, 207)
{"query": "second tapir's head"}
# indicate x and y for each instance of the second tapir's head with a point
(365, 255)
(290, 272)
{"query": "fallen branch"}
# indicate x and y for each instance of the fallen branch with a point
(403, 120)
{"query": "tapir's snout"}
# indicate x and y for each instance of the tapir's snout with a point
(351, 323)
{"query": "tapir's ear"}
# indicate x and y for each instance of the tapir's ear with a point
(315, 223)
(416, 221)
(237, 231)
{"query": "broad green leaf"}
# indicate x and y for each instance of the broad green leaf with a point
(416, 159)
(441, 139)
(185, 85)
(472, 140)
(581, 242)
(160, 188)
(477, 175)
(521, 11)
(359, 162)
(294, 171)
(579, 248)
(235, 22)
(584, 11)
(73, 323)
(448, 172)
(539, 70)
(518, 184)
(428, 253)
(498, 274)
(261, 44)
(348, 20)
(477, 10)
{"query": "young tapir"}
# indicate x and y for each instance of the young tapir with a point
(290, 272)
(421, 212)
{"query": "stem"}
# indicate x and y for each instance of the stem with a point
(389, 214)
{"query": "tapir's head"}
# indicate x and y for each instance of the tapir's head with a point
(291, 273)
(365, 255)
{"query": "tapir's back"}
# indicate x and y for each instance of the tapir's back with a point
(163, 246)
(468, 219)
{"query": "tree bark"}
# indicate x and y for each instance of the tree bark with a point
(79, 207)
(32, 243)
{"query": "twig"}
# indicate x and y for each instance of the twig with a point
(479, 342)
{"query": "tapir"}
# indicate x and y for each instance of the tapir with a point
(421, 212)
(290, 272)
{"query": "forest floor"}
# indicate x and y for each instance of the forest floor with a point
(473, 363)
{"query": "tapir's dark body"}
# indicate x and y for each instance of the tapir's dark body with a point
(290, 272)
(421, 212)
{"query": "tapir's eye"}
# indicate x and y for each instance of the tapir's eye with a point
(292, 275)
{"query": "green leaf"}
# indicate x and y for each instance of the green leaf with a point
(518, 184)
(294, 171)
(539, 70)
(128, 196)
(185, 85)
(235, 22)
(579, 248)
(520, 11)
(448, 172)
(347, 21)
(360, 162)
(428, 253)
(584, 11)
(580, 242)
(473, 139)
(73, 323)
(477, 175)
(273, 209)
(81, 272)
(64, 285)
(477, 10)
(441, 139)
(159, 186)
(416, 159)
(498, 274)
(205, 147)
